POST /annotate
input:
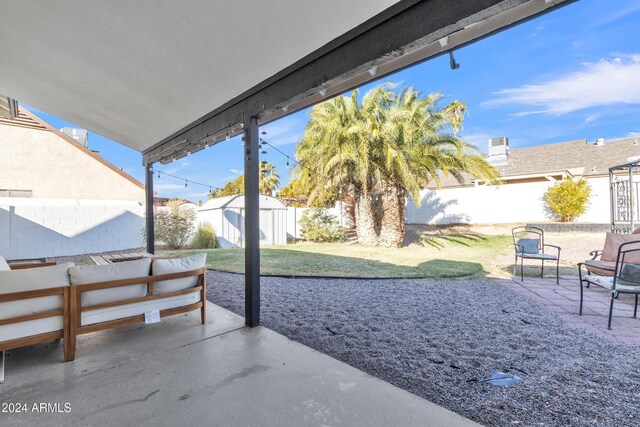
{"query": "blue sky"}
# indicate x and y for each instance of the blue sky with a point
(572, 74)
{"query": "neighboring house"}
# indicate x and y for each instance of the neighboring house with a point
(526, 174)
(57, 197)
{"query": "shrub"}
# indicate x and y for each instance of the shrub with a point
(568, 199)
(205, 237)
(174, 226)
(318, 225)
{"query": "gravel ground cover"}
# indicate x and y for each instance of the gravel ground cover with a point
(438, 339)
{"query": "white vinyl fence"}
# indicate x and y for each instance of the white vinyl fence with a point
(35, 228)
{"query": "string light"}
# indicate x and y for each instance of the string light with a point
(302, 165)
(186, 181)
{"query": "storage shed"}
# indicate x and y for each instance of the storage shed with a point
(226, 215)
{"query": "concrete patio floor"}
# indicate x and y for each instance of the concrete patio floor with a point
(564, 300)
(179, 372)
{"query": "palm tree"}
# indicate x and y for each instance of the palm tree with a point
(334, 154)
(454, 112)
(414, 151)
(392, 143)
(269, 178)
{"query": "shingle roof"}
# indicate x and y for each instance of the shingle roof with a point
(594, 160)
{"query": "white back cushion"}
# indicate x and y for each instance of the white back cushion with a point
(31, 279)
(3, 265)
(177, 265)
(82, 275)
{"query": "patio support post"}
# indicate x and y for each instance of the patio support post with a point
(631, 201)
(251, 223)
(148, 191)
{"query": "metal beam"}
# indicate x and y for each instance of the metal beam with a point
(251, 223)
(148, 192)
(403, 35)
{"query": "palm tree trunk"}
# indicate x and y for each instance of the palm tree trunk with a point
(365, 223)
(393, 228)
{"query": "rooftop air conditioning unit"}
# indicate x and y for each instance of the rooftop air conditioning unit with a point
(79, 135)
(498, 151)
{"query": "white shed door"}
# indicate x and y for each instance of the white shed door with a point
(266, 227)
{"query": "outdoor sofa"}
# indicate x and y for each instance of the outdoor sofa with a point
(51, 302)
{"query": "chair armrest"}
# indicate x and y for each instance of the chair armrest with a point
(595, 254)
(24, 266)
(553, 246)
(598, 266)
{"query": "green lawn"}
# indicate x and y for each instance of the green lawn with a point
(454, 259)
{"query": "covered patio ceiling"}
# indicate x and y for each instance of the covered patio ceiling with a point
(164, 77)
(169, 78)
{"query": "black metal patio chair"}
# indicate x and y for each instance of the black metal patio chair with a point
(529, 243)
(625, 278)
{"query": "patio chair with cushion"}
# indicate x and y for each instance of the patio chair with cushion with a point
(622, 278)
(529, 243)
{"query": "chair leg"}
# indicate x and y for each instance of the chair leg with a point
(70, 350)
(635, 308)
(542, 270)
(581, 297)
(558, 271)
(1, 367)
(611, 310)
(522, 269)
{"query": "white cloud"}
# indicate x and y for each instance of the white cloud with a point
(598, 84)
(480, 139)
(236, 171)
(616, 14)
(167, 186)
(288, 130)
(633, 135)
(592, 118)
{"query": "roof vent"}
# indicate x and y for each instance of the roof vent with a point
(498, 151)
(600, 142)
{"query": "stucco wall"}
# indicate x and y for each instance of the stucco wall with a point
(34, 228)
(41, 161)
(499, 204)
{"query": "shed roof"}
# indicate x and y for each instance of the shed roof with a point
(577, 157)
(237, 201)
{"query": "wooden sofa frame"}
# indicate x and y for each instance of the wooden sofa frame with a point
(76, 309)
(40, 338)
(72, 308)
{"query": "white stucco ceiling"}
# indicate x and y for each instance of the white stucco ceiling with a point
(137, 71)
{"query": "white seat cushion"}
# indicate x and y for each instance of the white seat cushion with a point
(31, 279)
(30, 328)
(177, 265)
(3, 264)
(122, 311)
(82, 275)
(607, 283)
